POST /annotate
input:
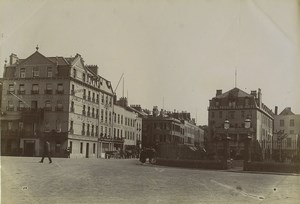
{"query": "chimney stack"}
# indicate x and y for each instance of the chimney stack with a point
(254, 93)
(13, 59)
(219, 92)
(259, 98)
(276, 110)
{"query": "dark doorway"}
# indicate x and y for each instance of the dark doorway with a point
(29, 148)
(87, 150)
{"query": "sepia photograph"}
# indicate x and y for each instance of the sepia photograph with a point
(138, 101)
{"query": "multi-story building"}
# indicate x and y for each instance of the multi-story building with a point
(235, 106)
(58, 98)
(169, 128)
(127, 125)
(287, 131)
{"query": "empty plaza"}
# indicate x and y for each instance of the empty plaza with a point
(24, 180)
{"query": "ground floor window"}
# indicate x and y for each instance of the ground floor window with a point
(94, 148)
(81, 147)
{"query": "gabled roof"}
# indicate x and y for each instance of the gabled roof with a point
(36, 58)
(235, 92)
(287, 111)
(59, 60)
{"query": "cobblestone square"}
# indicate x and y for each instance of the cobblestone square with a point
(24, 180)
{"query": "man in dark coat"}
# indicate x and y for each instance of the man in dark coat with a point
(46, 152)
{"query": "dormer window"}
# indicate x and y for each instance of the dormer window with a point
(22, 73)
(49, 72)
(36, 72)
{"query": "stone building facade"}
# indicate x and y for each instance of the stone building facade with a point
(236, 106)
(57, 98)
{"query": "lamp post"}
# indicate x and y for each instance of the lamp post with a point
(248, 139)
(226, 148)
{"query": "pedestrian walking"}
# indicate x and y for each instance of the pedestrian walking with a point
(46, 152)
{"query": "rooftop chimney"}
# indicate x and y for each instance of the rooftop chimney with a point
(259, 98)
(254, 93)
(276, 110)
(219, 92)
(13, 58)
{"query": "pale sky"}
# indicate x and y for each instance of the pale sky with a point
(174, 51)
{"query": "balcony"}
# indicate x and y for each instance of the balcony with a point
(21, 92)
(59, 91)
(59, 108)
(48, 91)
(34, 92)
(48, 108)
(10, 91)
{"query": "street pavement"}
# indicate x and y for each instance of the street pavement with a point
(24, 180)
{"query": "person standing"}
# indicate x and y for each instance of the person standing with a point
(46, 152)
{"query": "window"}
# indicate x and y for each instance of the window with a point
(48, 89)
(83, 128)
(49, 72)
(81, 147)
(21, 105)
(11, 88)
(10, 106)
(22, 73)
(71, 125)
(36, 72)
(289, 142)
(9, 125)
(34, 105)
(48, 105)
(102, 98)
(231, 114)
(122, 119)
(73, 90)
(21, 89)
(106, 100)
(101, 115)
(220, 114)
(60, 88)
(74, 73)
(212, 114)
(72, 106)
(88, 129)
(292, 123)
(59, 106)
(83, 77)
(58, 125)
(243, 114)
(35, 89)
(71, 146)
(94, 148)
(281, 123)
(118, 119)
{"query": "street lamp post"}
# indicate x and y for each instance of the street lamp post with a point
(226, 148)
(248, 140)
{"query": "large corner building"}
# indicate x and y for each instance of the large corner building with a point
(61, 99)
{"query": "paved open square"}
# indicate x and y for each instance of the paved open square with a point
(24, 180)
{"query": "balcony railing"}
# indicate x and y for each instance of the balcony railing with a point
(48, 108)
(48, 91)
(34, 91)
(59, 108)
(10, 91)
(59, 91)
(21, 92)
